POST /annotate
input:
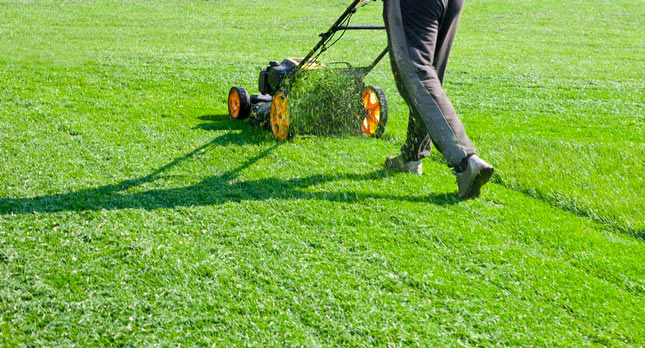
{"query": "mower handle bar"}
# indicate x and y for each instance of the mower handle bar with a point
(337, 26)
(361, 27)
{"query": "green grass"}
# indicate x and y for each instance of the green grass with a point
(133, 212)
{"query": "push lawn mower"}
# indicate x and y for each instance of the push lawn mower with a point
(270, 108)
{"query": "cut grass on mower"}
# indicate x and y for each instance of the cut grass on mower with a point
(135, 212)
(325, 102)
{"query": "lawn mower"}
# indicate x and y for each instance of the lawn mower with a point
(270, 108)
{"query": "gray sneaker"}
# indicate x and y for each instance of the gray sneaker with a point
(471, 180)
(401, 165)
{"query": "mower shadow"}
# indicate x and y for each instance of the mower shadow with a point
(213, 190)
(241, 133)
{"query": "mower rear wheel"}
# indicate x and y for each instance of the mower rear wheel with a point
(280, 121)
(375, 104)
(239, 103)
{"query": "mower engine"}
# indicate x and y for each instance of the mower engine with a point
(272, 76)
(258, 106)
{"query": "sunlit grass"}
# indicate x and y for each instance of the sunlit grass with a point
(134, 212)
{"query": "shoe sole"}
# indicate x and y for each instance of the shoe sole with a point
(480, 180)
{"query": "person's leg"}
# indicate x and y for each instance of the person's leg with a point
(446, 36)
(418, 143)
(416, 147)
(413, 31)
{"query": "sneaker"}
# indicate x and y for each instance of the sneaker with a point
(471, 180)
(401, 165)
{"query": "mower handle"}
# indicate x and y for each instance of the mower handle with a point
(336, 27)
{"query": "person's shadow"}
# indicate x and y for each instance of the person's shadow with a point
(213, 190)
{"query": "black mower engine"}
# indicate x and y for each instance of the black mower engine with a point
(270, 81)
(272, 76)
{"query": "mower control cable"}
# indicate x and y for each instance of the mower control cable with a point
(342, 25)
(326, 37)
(362, 27)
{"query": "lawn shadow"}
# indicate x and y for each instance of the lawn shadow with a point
(240, 132)
(213, 190)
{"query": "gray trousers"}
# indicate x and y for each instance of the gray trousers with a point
(420, 36)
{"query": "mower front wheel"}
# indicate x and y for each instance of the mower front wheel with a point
(280, 120)
(375, 104)
(239, 103)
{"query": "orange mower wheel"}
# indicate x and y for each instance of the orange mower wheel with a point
(239, 103)
(280, 120)
(375, 104)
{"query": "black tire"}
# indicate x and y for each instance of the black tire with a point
(239, 103)
(382, 99)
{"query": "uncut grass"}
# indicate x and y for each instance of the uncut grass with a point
(246, 242)
(325, 102)
(582, 122)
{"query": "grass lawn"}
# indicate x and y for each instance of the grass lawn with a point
(134, 212)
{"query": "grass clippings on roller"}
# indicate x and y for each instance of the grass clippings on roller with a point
(325, 102)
